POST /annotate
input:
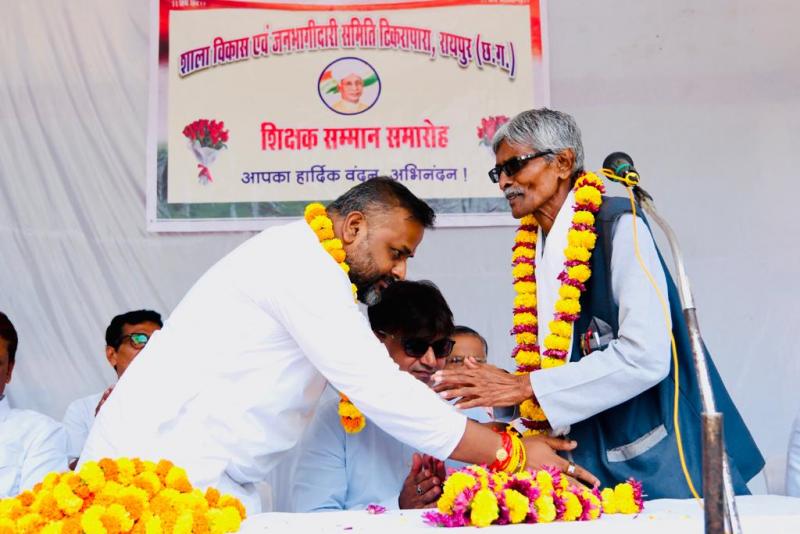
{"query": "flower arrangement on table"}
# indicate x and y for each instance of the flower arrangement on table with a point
(119, 496)
(206, 140)
(475, 496)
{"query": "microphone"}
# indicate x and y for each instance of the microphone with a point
(618, 167)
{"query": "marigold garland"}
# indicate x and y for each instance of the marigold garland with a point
(581, 240)
(317, 218)
(473, 496)
(119, 496)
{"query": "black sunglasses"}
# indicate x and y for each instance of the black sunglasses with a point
(417, 347)
(137, 339)
(513, 165)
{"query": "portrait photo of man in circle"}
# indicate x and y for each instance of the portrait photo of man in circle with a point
(349, 86)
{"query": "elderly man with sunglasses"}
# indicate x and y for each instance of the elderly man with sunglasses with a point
(337, 470)
(612, 389)
(126, 335)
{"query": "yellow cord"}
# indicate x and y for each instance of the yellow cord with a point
(665, 310)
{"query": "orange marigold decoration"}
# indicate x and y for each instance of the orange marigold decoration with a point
(317, 218)
(120, 496)
(580, 243)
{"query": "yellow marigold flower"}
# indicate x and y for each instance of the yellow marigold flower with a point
(583, 217)
(109, 467)
(525, 287)
(344, 266)
(553, 341)
(26, 498)
(549, 363)
(609, 501)
(545, 481)
(581, 238)
(147, 465)
(561, 328)
(525, 319)
(225, 520)
(331, 244)
(545, 508)
(54, 527)
(572, 505)
(522, 269)
(148, 481)
(523, 252)
(50, 480)
(524, 236)
(135, 500)
(500, 479)
(117, 515)
(481, 473)
(184, 523)
(212, 497)
(91, 520)
(152, 524)
(66, 499)
(569, 292)
(526, 338)
(484, 509)
(527, 357)
(178, 480)
(580, 273)
(348, 409)
(623, 497)
(10, 508)
(586, 195)
(7, 526)
(531, 410)
(127, 470)
(353, 425)
(93, 476)
(525, 300)
(570, 306)
(314, 210)
(162, 468)
(321, 222)
(577, 253)
(453, 486)
(591, 178)
(229, 500)
(518, 505)
(338, 255)
(72, 525)
(528, 220)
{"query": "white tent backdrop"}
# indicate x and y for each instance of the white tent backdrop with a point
(705, 97)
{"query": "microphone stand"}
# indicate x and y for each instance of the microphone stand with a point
(721, 514)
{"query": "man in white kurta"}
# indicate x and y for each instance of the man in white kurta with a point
(31, 445)
(78, 420)
(231, 380)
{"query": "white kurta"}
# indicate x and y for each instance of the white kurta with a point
(232, 379)
(793, 461)
(78, 420)
(341, 471)
(31, 445)
(640, 356)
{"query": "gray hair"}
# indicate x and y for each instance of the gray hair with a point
(543, 129)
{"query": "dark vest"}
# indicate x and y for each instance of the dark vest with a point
(637, 438)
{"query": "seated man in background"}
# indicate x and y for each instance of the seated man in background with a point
(127, 334)
(31, 444)
(339, 470)
(470, 344)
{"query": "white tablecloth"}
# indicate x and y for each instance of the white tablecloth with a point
(759, 513)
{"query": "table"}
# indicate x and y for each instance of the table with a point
(771, 514)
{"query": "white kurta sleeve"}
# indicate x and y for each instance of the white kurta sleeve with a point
(76, 427)
(46, 453)
(793, 465)
(320, 480)
(640, 356)
(316, 306)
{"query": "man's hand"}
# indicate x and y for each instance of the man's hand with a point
(541, 451)
(481, 384)
(422, 486)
